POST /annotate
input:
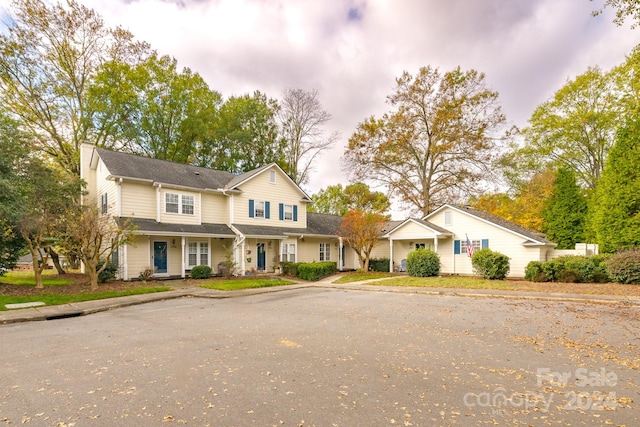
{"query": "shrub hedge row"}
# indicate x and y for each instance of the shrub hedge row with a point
(569, 268)
(379, 264)
(309, 270)
(624, 267)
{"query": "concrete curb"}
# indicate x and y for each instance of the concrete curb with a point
(53, 312)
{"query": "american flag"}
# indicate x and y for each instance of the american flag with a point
(469, 247)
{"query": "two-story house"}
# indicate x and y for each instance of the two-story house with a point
(187, 216)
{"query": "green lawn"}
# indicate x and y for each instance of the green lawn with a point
(459, 282)
(54, 299)
(357, 277)
(235, 284)
(26, 278)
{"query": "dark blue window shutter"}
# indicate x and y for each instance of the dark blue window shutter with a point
(281, 211)
(295, 212)
(250, 208)
(456, 247)
(267, 209)
(485, 243)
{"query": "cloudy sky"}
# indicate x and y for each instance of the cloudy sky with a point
(352, 50)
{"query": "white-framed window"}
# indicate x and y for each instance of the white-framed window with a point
(448, 218)
(179, 204)
(198, 253)
(325, 252)
(288, 212)
(272, 177)
(258, 209)
(421, 246)
(288, 252)
(476, 244)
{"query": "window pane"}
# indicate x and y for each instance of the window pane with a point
(171, 205)
(204, 252)
(193, 254)
(288, 212)
(187, 205)
(259, 209)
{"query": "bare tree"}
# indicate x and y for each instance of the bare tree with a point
(95, 237)
(302, 119)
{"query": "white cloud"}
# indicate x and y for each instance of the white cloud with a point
(351, 51)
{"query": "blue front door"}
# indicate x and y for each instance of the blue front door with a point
(261, 257)
(160, 257)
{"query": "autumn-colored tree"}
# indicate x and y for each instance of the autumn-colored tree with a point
(527, 203)
(302, 120)
(95, 237)
(361, 231)
(338, 200)
(49, 54)
(437, 144)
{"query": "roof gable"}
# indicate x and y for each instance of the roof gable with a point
(238, 180)
(531, 236)
(420, 222)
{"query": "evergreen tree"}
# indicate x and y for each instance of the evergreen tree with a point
(616, 207)
(565, 212)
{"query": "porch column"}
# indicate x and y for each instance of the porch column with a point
(390, 255)
(435, 243)
(125, 264)
(340, 260)
(183, 268)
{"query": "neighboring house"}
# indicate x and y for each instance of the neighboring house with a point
(449, 228)
(187, 216)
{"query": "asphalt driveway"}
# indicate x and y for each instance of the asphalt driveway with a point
(326, 357)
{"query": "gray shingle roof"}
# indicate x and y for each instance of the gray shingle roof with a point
(144, 168)
(151, 226)
(509, 225)
(317, 224)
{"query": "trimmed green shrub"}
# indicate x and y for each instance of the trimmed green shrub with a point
(624, 267)
(316, 270)
(533, 272)
(552, 268)
(379, 264)
(581, 265)
(490, 264)
(201, 272)
(108, 273)
(289, 268)
(423, 263)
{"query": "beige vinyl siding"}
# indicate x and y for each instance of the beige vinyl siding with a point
(138, 256)
(500, 240)
(215, 208)
(309, 250)
(260, 188)
(88, 174)
(103, 185)
(178, 218)
(138, 200)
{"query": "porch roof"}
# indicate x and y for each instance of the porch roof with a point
(434, 229)
(150, 226)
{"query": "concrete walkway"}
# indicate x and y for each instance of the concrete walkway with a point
(185, 291)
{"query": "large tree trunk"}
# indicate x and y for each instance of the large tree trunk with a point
(93, 276)
(56, 260)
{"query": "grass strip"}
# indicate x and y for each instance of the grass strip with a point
(237, 284)
(57, 299)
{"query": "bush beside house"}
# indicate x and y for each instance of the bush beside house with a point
(490, 264)
(423, 263)
(569, 268)
(624, 267)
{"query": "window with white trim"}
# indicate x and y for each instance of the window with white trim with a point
(476, 244)
(179, 204)
(258, 209)
(272, 177)
(198, 253)
(325, 252)
(288, 212)
(288, 252)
